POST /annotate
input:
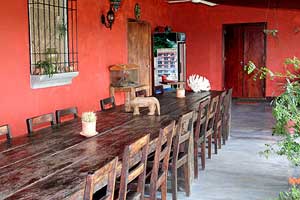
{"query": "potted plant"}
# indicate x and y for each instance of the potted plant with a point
(88, 124)
(45, 67)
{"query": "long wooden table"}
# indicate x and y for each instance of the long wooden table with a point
(53, 163)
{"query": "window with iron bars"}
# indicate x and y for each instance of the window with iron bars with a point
(53, 36)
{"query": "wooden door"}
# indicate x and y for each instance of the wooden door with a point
(244, 43)
(254, 50)
(139, 50)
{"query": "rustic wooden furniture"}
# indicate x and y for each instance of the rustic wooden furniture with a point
(129, 174)
(160, 164)
(129, 93)
(181, 153)
(55, 162)
(108, 103)
(5, 130)
(227, 115)
(139, 47)
(199, 134)
(218, 122)
(124, 75)
(36, 122)
(105, 174)
(209, 130)
(66, 112)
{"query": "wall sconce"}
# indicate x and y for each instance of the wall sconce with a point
(110, 17)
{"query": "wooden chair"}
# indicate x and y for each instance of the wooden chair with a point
(66, 112)
(181, 153)
(129, 174)
(5, 130)
(199, 134)
(159, 171)
(108, 103)
(209, 130)
(159, 90)
(218, 123)
(35, 122)
(227, 115)
(106, 173)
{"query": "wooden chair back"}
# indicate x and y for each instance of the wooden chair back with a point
(199, 134)
(181, 152)
(201, 119)
(106, 173)
(227, 101)
(227, 114)
(128, 174)
(159, 171)
(159, 90)
(66, 112)
(108, 103)
(218, 122)
(141, 93)
(35, 122)
(5, 130)
(220, 106)
(211, 115)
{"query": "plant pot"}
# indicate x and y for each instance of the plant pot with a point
(88, 129)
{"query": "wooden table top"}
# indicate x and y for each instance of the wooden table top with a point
(53, 163)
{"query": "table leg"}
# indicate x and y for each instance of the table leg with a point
(127, 101)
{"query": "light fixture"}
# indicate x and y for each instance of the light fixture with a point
(110, 17)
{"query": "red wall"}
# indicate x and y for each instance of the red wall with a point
(203, 26)
(98, 48)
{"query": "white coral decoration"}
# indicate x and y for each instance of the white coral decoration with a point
(198, 83)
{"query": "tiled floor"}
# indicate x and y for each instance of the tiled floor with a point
(238, 172)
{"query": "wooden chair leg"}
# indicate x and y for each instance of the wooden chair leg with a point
(224, 137)
(216, 141)
(224, 133)
(203, 155)
(227, 130)
(163, 189)
(209, 140)
(186, 169)
(220, 137)
(195, 160)
(174, 182)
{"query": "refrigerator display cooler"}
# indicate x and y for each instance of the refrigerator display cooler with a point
(169, 58)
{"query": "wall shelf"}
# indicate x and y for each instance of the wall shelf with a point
(44, 81)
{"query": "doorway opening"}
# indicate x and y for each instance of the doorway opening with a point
(243, 43)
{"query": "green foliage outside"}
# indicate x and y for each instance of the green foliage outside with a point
(286, 109)
(161, 42)
(292, 194)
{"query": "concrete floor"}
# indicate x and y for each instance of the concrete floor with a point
(238, 172)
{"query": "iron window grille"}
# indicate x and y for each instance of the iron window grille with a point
(53, 36)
